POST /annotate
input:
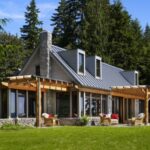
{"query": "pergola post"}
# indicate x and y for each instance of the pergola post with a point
(146, 108)
(38, 104)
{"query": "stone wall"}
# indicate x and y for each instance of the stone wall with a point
(22, 121)
(69, 121)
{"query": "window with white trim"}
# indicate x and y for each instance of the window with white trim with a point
(81, 63)
(98, 68)
(136, 79)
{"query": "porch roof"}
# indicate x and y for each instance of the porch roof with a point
(29, 82)
(133, 92)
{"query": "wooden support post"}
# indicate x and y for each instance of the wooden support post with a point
(146, 108)
(38, 104)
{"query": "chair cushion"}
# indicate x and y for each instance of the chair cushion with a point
(114, 116)
(140, 116)
(108, 116)
(51, 116)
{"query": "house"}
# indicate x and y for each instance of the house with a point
(69, 83)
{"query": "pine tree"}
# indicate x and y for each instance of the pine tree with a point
(147, 34)
(120, 35)
(59, 22)
(67, 24)
(30, 31)
(97, 20)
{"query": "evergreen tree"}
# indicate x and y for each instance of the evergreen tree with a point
(120, 35)
(97, 20)
(67, 24)
(3, 22)
(30, 31)
(11, 55)
(59, 22)
(147, 35)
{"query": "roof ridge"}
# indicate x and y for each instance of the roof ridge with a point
(59, 47)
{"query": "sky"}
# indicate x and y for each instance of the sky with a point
(15, 9)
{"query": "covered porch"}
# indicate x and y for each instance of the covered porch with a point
(130, 95)
(27, 97)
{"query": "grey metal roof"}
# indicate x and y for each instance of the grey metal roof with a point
(111, 76)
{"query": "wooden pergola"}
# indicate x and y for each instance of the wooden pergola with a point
(37, 84)
(141, 92)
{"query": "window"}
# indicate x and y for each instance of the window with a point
(87, 104)
(13, 104)
(81, 63)
(136, 79)
(37, 70)
(96, 105)
(21, 104)
(82, 103)
(31, 104)
(115, 105)
(98, 68)
(141, 106)
(104, 104)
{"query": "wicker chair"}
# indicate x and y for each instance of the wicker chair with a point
(53, 121)
(50, 120)
(139, 120)
(105, 120)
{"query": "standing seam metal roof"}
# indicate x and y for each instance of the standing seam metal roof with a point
(111, 75)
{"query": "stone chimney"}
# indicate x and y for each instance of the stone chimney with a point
(45, 47)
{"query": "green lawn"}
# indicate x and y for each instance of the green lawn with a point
(76, 138)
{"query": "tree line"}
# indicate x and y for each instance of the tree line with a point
(96, 26)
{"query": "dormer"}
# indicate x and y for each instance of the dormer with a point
(94, 66)
(131, 76)
(75, 59)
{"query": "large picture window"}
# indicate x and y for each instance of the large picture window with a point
(81, 63)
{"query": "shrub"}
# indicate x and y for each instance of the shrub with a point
(10, 126)
(84, 120)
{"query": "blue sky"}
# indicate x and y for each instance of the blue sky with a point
(14, 9)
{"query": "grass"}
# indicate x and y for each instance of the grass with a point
(76, 138)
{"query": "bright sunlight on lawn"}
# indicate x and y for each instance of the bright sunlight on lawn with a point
(76, 138)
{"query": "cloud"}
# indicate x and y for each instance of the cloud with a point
(11, 15)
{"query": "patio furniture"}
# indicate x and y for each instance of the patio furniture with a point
(105, 119)
(139, 120)
(109, 119)
(50, 119)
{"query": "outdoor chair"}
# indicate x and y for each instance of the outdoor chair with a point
(139, 120)
(50, 119)
(105, 120)
(109, 119)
